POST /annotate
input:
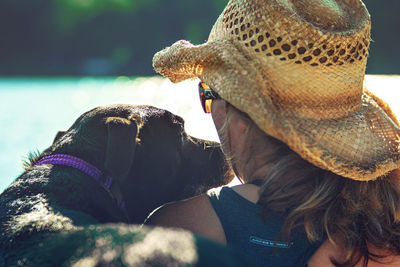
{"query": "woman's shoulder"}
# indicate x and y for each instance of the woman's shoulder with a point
(174, 212)
(195, 214)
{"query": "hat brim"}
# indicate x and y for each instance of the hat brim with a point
(362, 145)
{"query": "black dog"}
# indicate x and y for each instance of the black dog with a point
(144, 149)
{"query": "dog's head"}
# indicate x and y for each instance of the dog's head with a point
(170, 165)
(147, 152)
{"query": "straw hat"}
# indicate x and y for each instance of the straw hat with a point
(297, 67)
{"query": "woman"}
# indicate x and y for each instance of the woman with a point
(318, 154)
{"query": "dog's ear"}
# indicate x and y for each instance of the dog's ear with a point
(58, 135)
(121, 143)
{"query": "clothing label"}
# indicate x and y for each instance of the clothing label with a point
(269, 243)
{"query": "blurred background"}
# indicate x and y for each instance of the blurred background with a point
(119, 37)
(60, 58)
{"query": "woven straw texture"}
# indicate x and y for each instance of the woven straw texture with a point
(297, 67)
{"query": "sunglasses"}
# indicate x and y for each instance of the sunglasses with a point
(207, 95)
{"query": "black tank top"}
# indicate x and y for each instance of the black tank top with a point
(258, 239)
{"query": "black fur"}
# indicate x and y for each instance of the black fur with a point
(147, 152)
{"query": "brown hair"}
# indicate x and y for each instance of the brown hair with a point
(327, 205)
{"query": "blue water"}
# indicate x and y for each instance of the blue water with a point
(32, 111)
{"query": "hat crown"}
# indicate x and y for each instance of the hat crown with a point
(312, 52)
(328, 15)
(331, 15)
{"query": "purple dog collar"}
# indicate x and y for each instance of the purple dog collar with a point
(86, 167)
(77, 163)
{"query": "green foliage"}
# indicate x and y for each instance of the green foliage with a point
(71, 12)
(195, 32)
(120, 37)
(97, 6)
(220, 4)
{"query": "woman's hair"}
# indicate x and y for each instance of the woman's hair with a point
(359, 214)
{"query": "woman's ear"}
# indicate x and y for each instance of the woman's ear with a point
(219, 112)
(237, 126)
(231, 130)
